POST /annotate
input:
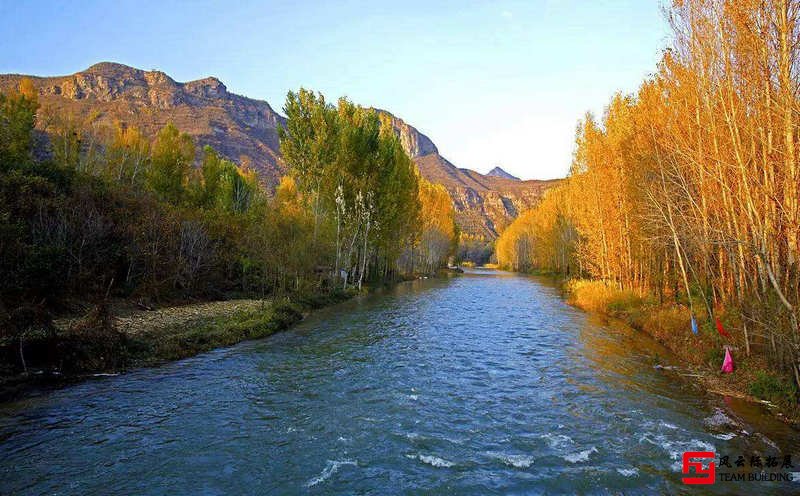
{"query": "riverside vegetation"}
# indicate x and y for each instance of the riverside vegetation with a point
(92, 216)
(684, 200)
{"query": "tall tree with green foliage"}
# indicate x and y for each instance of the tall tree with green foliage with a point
(221, 184)
(171, 163)
(17, 119)
(361, 183)
(309, 145)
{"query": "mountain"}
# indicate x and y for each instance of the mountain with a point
(499, 172)
(239, 128)
(245, 129)
(484, 204)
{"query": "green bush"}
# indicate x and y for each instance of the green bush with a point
(714, 356)
(772, 388)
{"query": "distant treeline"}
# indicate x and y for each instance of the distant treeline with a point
(112, 212)
(689, 190)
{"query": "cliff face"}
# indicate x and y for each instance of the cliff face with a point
(240, 128)
(414, 143)
(245, 130)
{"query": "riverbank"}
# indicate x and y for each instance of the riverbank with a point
(118, 336)
(702, 354)
(490, 381)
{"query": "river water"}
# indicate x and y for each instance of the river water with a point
(486, 383)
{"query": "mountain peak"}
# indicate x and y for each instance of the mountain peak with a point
(498, 172)
(109, 67)
(209, 87)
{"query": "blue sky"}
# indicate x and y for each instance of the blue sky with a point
(492, 83)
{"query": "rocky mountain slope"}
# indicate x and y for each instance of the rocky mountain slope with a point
(484, 205)
(239, 128)
(244, 129)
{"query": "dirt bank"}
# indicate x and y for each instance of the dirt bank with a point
(118, 336)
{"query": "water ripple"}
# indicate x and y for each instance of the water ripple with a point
(484, 384)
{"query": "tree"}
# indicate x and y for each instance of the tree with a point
(357, 180)
(17, 120)
(308, 143)
(128, 155)
(689, 189)
(437, 237)
(171, 162)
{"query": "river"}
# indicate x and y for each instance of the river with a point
(487, 383)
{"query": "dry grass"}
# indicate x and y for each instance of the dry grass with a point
(598, 296)
(135, 322)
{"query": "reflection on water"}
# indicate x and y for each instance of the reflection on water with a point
(483, 384)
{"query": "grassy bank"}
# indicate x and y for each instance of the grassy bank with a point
(670, 324)
(108, 339)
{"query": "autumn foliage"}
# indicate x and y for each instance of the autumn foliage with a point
(436, 239)
(689, 190)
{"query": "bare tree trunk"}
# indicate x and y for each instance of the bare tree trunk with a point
(22, 356)
(364, 263)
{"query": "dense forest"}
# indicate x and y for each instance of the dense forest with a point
(688, 192)
(88, 213)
